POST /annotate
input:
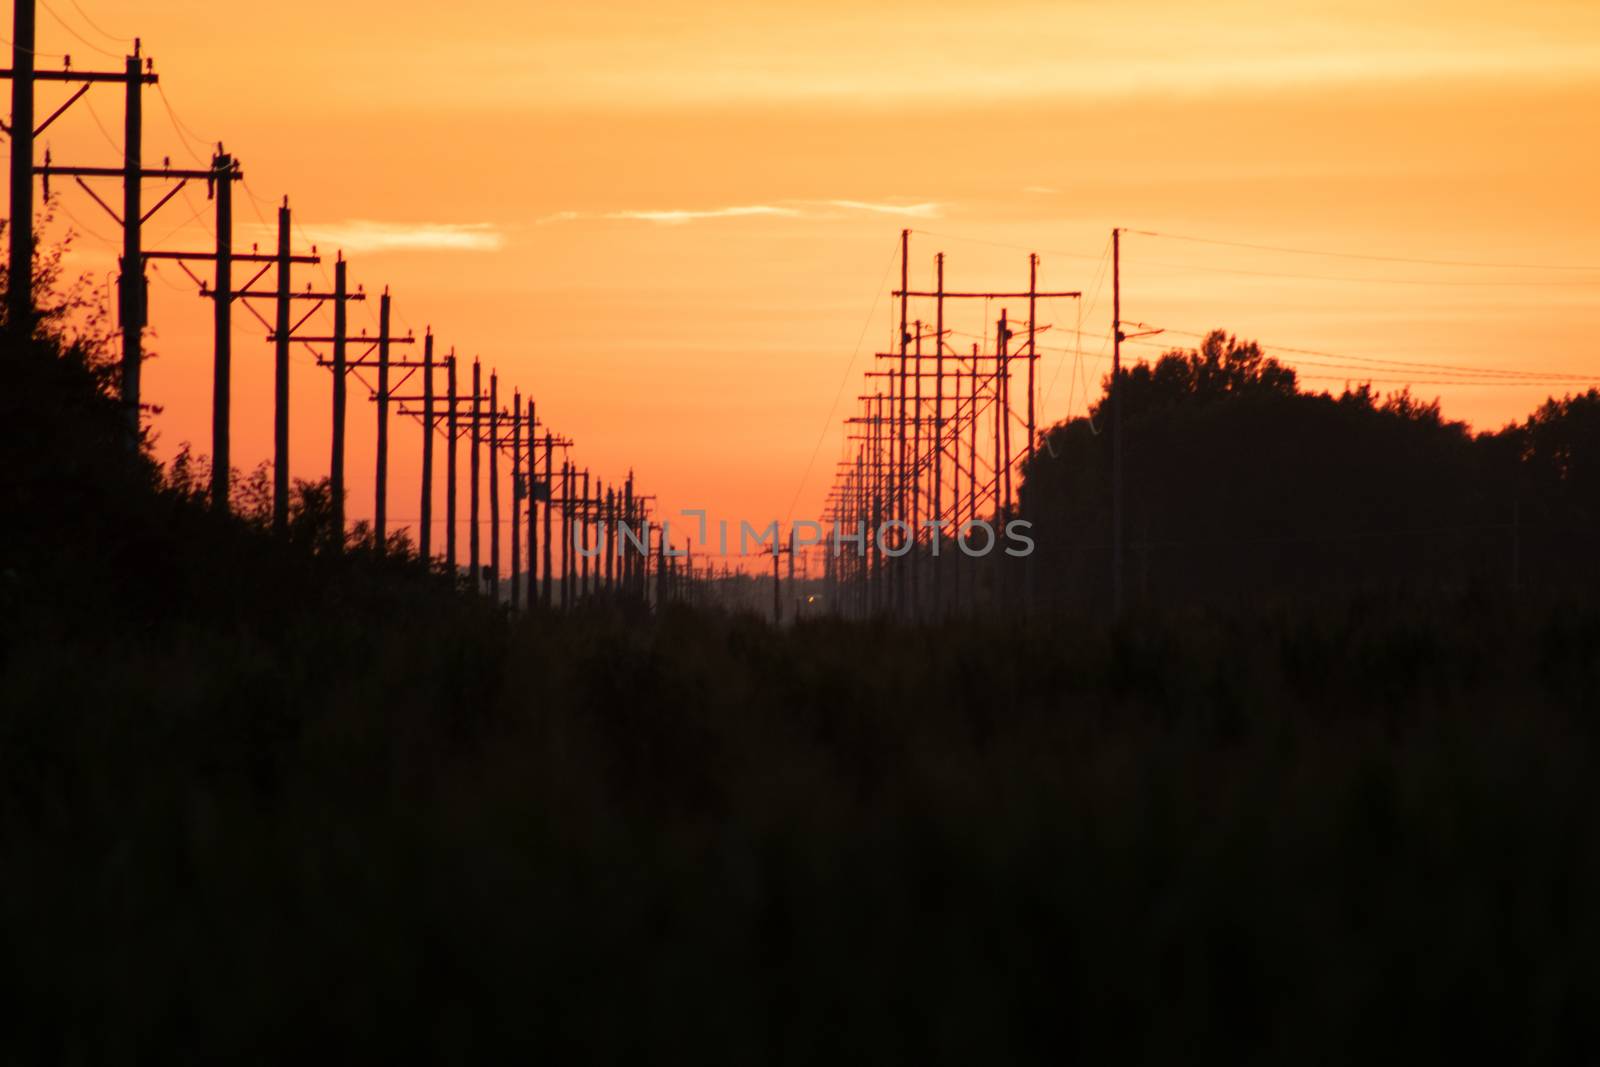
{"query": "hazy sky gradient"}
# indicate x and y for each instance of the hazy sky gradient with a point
(670, 221)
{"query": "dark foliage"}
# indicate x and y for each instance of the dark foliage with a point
(1240, 487)
(279, 800)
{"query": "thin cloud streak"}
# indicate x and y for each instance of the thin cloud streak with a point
(788, 209)
(369, 235)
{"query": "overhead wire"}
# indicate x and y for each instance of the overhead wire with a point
(1366, 256)
(84, 40)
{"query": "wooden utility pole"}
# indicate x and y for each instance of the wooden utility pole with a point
(222, 334)
(545, 592)
(134, 298)
(425, 522)
(518, 493)
(341, 325)
(1116, 423)
(473, 471)
(777, 589)
(494, 487)
(533, 511)
(936, 512)
(582, 536)
(613, 543)
(380, 508)
(19, 293)
(916, 470)
(452, 431)
(1033, 314)
(280, 382)
(566, 535)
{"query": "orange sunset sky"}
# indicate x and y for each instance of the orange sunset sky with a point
(672, 223)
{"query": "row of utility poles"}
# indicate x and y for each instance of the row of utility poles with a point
(591, 513)
(935, 465)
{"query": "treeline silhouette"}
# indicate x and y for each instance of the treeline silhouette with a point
(282, 799)
(1240, 487)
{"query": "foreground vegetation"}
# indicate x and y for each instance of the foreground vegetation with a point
(270, 799)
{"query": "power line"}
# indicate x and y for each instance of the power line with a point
(1349, 279)
(1387, 362)
(179, 126)
(1365, 256)
(86, 42)
(96, 27)
(845, 381)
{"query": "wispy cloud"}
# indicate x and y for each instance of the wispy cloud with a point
(928, 210)
(369, 235)
(787, 209)
(678, 216)
(1041, 190)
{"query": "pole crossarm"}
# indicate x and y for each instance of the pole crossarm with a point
(240, 257)
(47, 169)
(304, 294)
(1023, 295)
(86, 76)
(360, 339)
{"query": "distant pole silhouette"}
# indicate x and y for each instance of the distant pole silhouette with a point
(1116, 424)
(425, 524)
(566, 535)
(494, 487)
(583, 538)
(280, 380)
(613, 542)
(972, 478)
(133, 295)
(473, 471)
(222, 335)
(915, 514)
(380, 521)
(1033, 429)
(936, 512)
(452, 434)
(518, 491)
(19, 291)
(533, 511)
(546, 588)
(632, 563)
(341, 329)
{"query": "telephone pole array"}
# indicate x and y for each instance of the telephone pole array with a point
(915, 490)
(611, 519)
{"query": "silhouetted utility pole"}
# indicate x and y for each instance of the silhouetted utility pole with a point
(936, 512)
(425, 521)
(518, 493)
(280, 382)
(549, 495)
(533, 509)
(452, 431)
(341, 328)
(1116, 423)
(222, 332)
(19, 294)
(612, 541)
(566, 535)
(380, 505)
(777, 590)
(473, 467)
(583, 536)
(133, 298)
(494, 487)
